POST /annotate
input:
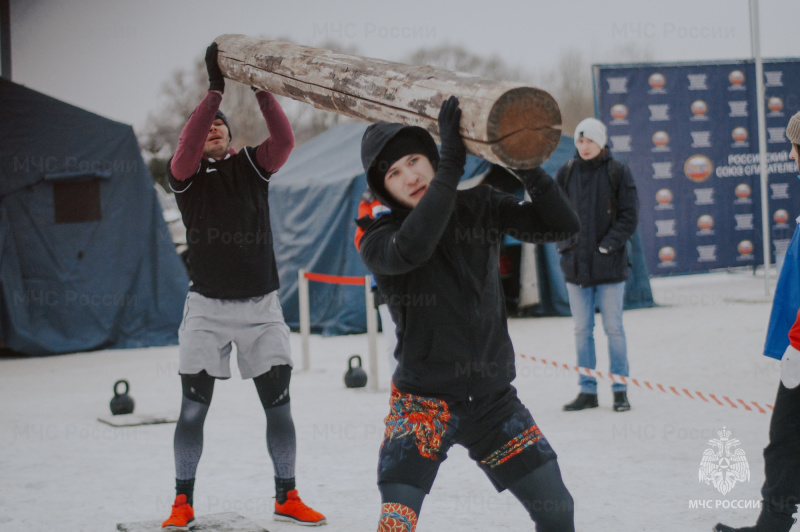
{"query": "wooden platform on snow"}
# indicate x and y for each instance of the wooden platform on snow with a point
(223, 522)
(134, 420)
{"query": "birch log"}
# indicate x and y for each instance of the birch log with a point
(505, 123)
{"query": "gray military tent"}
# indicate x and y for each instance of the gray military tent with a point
(87, 260)
(314, 202)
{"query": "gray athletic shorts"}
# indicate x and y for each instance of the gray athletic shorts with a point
(211, 326)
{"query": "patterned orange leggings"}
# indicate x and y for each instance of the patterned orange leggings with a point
(396, 517)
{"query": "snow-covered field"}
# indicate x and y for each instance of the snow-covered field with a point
(61, 469)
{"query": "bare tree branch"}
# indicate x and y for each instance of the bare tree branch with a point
(457, 58)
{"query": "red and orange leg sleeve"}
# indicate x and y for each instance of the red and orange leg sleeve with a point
(396, 517)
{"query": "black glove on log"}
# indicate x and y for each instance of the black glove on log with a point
(535, 180)
(453, 149)
(215, 80)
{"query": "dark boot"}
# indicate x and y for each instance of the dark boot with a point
(584, 400)
(724, 528)
(621, 403)
(768, 521)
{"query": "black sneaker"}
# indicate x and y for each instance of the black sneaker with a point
(768, 521)
(724, 528)
(584, 400)
(621, 403)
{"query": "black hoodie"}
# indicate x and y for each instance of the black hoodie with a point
(437, 267)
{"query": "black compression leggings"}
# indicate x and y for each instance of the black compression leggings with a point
(541, 492)
(188, 443)
(273, 391)
(544, 496)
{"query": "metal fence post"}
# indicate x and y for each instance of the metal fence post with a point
(305, 317)
(372, 334)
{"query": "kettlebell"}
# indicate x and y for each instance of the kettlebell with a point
(121, 403)
(355, 377)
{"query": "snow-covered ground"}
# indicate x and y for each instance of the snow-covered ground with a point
(61, 469)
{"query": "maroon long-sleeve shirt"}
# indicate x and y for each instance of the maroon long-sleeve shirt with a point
(224, 204)
(271, 154)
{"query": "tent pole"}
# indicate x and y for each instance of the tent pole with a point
(372, 334)
(755, 42)
(5, 39)
(305, 317)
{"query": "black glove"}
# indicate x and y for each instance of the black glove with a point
(215, 80)
(535, 180)
(453, 148)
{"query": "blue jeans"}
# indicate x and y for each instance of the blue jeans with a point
(608, 298)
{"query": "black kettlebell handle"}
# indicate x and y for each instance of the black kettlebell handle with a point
(121, 381)
(350, 361)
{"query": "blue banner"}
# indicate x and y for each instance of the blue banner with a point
(689, 133)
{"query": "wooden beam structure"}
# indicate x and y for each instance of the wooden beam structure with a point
(505, 123)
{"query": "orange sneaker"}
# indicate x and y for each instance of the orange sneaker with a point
(182, 515)
(295, 511)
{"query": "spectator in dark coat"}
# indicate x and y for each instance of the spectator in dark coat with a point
(595, 261)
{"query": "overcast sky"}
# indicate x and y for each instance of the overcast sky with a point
(112, 56)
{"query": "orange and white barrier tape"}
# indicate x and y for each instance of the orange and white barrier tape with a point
(654, 387)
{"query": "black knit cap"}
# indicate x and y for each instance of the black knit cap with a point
(224, 118)
(402, 144)
(392, 142)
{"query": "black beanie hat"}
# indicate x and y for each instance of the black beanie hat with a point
(402, 144)
(224, 118)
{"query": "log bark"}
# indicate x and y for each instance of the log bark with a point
(505, 123)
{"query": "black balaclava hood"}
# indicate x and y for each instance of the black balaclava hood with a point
(383, 144)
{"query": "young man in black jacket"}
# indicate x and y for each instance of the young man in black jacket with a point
(435, 258)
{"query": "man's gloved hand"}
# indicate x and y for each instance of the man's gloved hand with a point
(215, 80)
(535, 180)
(453, 148)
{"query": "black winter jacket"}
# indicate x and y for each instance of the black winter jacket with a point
(437, 267)
(606, 222)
